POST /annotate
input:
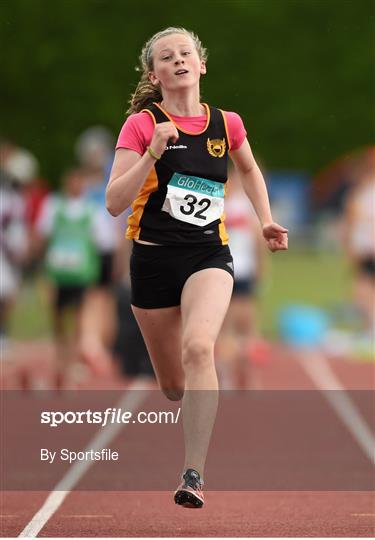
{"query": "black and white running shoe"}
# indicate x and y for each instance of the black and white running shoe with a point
(189, 493)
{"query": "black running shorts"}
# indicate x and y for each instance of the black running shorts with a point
(158, 273)
(367, 266)
(68, 296)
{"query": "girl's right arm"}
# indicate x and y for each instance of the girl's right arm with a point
(130, 170)
(128, 174)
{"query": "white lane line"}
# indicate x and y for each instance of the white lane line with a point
(322, 375)
(129, 401)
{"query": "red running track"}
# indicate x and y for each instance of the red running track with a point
(226, 514)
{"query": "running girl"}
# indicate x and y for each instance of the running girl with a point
(171, 166)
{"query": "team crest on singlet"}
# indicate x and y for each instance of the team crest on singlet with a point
(216, 147)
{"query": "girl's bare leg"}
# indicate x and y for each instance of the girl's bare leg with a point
(161, 330)
(204, 302)
(193, 328)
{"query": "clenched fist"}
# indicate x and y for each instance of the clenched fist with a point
(162, 134)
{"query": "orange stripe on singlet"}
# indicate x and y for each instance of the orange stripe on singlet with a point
(224, 237)
(151, 114)
(226, 130)
(134, 230)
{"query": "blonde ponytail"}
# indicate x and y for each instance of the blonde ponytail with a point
(146, 92)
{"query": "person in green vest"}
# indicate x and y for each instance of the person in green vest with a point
(67, 230)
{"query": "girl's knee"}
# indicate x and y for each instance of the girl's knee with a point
(173, 393)
(172, 388)
(197, 352)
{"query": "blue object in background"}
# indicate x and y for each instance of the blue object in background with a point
(302, 326)
(290, 198)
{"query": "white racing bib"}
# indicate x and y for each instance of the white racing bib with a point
(194, 200)
(66, 255)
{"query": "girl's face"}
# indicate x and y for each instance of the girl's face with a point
(176, 63)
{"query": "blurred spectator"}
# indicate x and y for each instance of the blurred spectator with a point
(359, 238)
(94, 149)
(13, 247)
(67, 228)
(329, 192)
(130, 348)
(19, 164)
(18, 170)
(331, 184)
(35, 194)
(236, 343)
(22, 167)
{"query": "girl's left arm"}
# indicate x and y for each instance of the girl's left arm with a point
(254, 185)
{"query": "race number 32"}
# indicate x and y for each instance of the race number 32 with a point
(191, 206)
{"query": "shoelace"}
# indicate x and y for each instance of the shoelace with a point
(192, 482)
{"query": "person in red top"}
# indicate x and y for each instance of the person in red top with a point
(171, 167)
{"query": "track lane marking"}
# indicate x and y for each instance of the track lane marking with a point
(324, 378)
(129, 401)
(91, 516)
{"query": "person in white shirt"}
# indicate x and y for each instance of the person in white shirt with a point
(13, 248)
(359, 240)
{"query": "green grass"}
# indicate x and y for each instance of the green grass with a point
(31, 316)
(317, 279)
